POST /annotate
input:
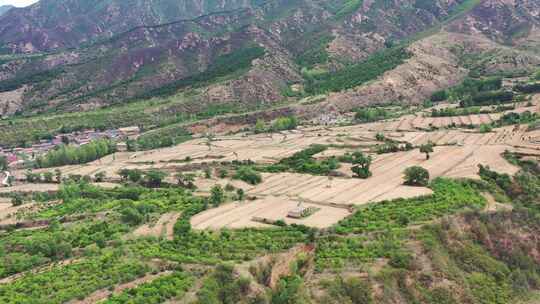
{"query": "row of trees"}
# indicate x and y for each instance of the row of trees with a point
(280, 124)
(152, 178)
(71, 155)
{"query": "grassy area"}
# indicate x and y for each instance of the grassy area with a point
(448, 197)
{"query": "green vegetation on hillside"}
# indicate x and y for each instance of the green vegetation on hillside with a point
(222, 66)
(154, 292)
(303, 162)
(448, 197)
(356, 74)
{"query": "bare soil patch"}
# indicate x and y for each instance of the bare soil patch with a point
(162, 228)
(241, 214)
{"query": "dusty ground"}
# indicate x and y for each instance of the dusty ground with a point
(240, 214)
(30, 188)
(162, 228)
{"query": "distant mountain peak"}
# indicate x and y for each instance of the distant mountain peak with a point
(5, 8)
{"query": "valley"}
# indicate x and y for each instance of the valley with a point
(270, 152)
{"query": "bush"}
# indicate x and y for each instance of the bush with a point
(100, 176)
(217, 195)
(426, 148)
(248, 175)
(439, 96)
(370, 114)
(529, 88)
(154, 178)
(401, 260)
(416, 176)
(48, 177)
(361, 164)
(17, 199)
(485, 128)
(133, 176)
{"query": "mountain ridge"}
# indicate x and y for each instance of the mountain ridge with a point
(5, 8)
(300, 38)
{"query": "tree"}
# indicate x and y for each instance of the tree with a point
(240, 194)
(207, 172)
(217, 195)
(17, 199)
(185, 180)
(131, 216)
(154, 178)
(485, 128)
(248, 175)
(32, 177)
(100, 177)
(416, 176)
(361, 164)
(134, 175)
(48, 177)
(209, 139)
(380, 137)
(3, 163)
(58, 175)
(427, 148)
(260, 127)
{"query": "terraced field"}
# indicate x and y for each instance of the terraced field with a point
(457, 154)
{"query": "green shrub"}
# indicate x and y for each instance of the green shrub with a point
(370, 114)
(439, 96)
(416, 176)
(401, 259)
(217, 195)
(485, 128)
(357, 74)
(361, 164)
(248, 175)
(284, 123)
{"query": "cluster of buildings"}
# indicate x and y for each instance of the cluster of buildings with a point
(17, 156)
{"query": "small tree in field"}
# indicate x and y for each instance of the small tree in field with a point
(426, 148)
(100, 177)
(416, 176)
(361, 164)
(185, 180)
(217, 195)
(154, 178)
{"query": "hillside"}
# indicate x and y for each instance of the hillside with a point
(300, 39)
(270, 152)
(4, 9)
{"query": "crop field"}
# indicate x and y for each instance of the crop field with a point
(241, 214)
(457, 154)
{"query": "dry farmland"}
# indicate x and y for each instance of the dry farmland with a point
(241, 214)
(458, 153)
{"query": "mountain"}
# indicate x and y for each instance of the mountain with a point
(5, 8)
(71, 55)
